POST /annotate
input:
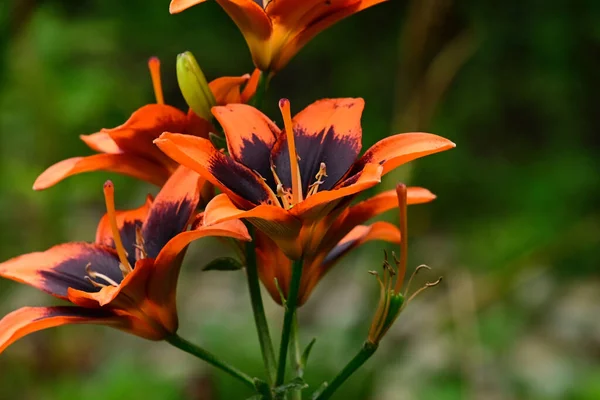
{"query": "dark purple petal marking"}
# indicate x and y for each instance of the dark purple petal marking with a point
(70, 311)
(238, 179)
(164, 222)
(128, 237)
(256, 155)
(338, 153)
(71, 272)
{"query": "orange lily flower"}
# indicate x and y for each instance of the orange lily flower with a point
(275, 30)
(127, 278)
(293, 184)
(346, 234)
(128, 148)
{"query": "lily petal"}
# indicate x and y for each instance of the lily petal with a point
(171, 211)
(126, 164)
(27, 320)
(227, 88)
(163, 280)
(318, 18)
(62, 267)
(101, 142)
(399, 149)
(327, 131)
(356, 237)
(178, 6)
(250, 136)
(250, 89)
(272, 265)
(127, 222)
(233, 178)
(321, 202)
(275, 222)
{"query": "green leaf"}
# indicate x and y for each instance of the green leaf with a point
(294, 384)
(306, 353)
(318, 392)
(223, 264)
(256, 397)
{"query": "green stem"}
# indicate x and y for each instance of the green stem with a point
(296, 356)
(262, 327)
(363, 355)
(288, 319)
(261, 89)
(210, 358)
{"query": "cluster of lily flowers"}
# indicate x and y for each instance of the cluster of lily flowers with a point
(284, 193)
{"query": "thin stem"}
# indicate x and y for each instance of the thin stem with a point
(363, 355)
(296, 356)
(262, 327)
(210, 358)
(288, 319)
(261, 89)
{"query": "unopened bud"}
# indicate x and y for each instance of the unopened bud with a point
(194, 86)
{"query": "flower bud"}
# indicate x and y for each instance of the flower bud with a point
(194, 86)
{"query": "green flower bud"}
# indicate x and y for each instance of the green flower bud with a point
(194, 86)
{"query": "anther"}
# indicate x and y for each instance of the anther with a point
(140, 244)
(314, 188)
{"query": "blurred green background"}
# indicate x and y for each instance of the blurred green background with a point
(515, 230)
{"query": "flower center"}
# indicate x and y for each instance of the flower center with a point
(154, 66)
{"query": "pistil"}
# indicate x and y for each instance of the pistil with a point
(154, 66)
(284, 106)
(401, 264)
(109, 198)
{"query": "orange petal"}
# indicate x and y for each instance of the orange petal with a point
(233, 178)
(301, 24)
(137, 134)
(178, 6)
(319, 203)
(274, 221)
(127, 222)
(355, 238)
(163, 280)
(255, 25)
(272, 265)
(172, 209)
(227, 89)
(396, 150)
(101, 142)
(250, 136)
(250, 89)
(62, 267)
(125, 164)
(27, 320)
(327, 131)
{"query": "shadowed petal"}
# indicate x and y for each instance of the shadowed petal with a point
(396, 150)
(250, 137)
(178, 6)
(272, 264)
(227, 88)
(321, 16)
(101, 142)
(163, 280)
(274, 221)
(126, 164)
(128, 222)
(27, 320)
(355, 238)
(250, 89)
(198, 154)
(327, 131)
(62, 266)
(172, 209)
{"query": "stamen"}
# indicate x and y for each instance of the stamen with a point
(140, 244)
(320, 175)
(284, 106)
(281, 193)
(94, 275)
(154, 66)
(109, 198)
(427, 286)
(401, 264)
(415, 272)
